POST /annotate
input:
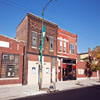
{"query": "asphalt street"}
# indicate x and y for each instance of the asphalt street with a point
(87, 93)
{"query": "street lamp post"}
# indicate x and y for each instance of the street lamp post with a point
(40, 67)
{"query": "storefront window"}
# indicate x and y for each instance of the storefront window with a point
(10, 71)
(10, 66)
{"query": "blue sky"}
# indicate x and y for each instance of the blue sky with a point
(81, 17)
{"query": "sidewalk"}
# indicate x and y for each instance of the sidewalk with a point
(10, 92)
(74, 84)
(7, 93)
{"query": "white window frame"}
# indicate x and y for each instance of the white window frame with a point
(64, 47)
(61, 46)
(71, 48)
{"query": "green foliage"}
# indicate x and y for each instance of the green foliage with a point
(96, 56)
(98, 67)
(94, 67)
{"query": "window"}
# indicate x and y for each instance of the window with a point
(10, 71)
(64, 47)
(71, 48)
(81, 71)
(60, 45)
(8, 57)
(11, 57)
(33, 70)
(34, 39)
(10, 65)
(5, 57)
(47, 70)
(51, 43)
(40, 40)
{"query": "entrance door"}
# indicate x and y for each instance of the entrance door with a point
(70, 72)
(46, 73)
(32, 73)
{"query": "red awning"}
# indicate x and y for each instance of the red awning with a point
(64, 65)
(74, 66)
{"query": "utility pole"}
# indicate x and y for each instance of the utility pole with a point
(41, 47)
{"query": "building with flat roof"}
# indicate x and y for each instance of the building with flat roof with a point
(11, 60)
(66, 55)
(29, 30)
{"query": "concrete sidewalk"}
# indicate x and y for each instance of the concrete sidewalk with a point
(10, 92)
(73, 84)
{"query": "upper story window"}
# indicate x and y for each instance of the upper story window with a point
(40, 39)
(51, 43)
(60, 45)
(71, 48)
(34, 39)
(64, 47)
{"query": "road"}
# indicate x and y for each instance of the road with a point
(87, 93)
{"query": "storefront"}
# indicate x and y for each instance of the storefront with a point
(69, 69)
(11, 61)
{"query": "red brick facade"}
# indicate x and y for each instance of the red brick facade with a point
(65, 58)
(82, 66)
(32, 23)
(14, 48)
(71, 38)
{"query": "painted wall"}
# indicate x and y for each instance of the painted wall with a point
(68, 38)
(33, 65)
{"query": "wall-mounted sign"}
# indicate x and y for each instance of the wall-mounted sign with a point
(33, 70)
(47, 70)
(4, 44)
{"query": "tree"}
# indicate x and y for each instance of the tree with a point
(96, 58)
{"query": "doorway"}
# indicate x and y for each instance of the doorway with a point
(68, 73)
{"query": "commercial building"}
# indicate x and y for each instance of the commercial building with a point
(11, 61)
(66, 55)
(59, 54)
(29, 30)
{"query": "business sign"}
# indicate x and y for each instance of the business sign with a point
(4, 44)
(33, 70)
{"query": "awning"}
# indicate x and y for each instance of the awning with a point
(74, 66)
(64, 65)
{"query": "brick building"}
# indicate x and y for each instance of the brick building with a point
(66, 55)
(82, 60)
(29, 30)
(11, 61)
